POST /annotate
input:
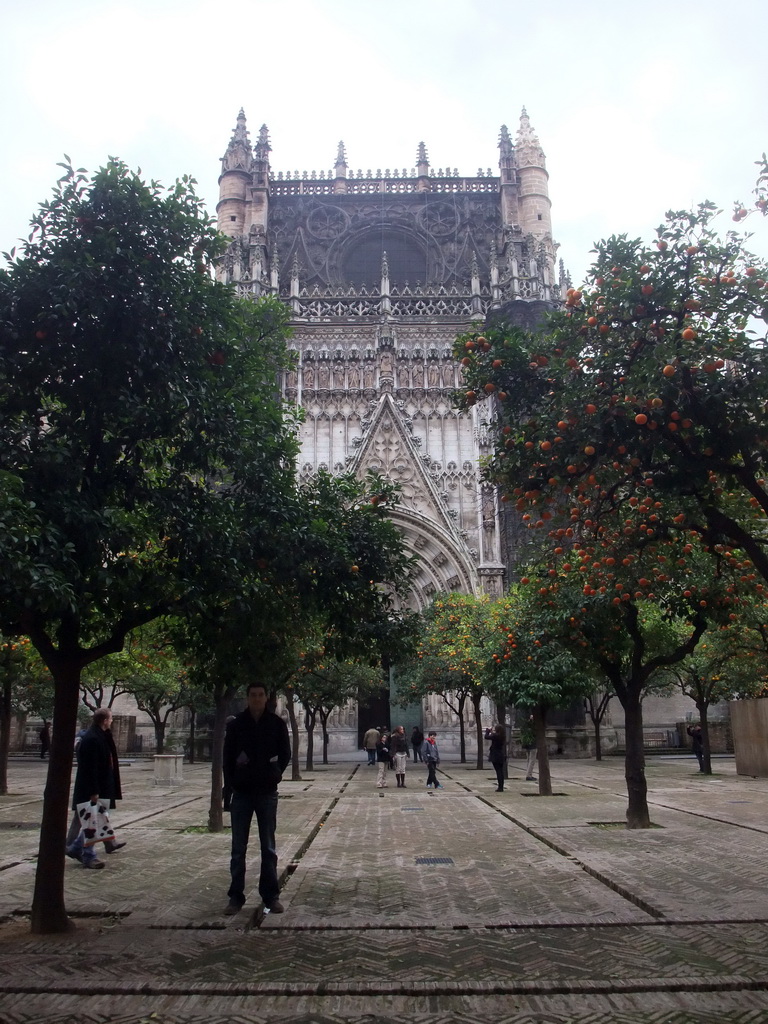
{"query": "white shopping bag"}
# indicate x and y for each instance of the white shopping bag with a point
(94, 822)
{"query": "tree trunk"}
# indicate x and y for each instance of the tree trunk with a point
(309, 723)
(542, 754)
(221, 696)
(462, 736)
(634, 763)
(598, 742)
(324, 727)
(49, 914)
(159, 736)
(476, 698)
(5, 734)
(192, 737)
(295, 766)
(501, 714)
(706, 750)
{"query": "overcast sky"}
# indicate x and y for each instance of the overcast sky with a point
(639, 106)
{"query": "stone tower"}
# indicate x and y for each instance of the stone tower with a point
(381, 271)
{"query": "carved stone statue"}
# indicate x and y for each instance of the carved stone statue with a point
(354, 376)
(309, 376)
(433, 375)
(417, 376)
(323, 375)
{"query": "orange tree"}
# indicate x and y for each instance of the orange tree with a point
(534, 662)
(650, 383)
(451, 659)
(143, 452)
(331, 569)
(159, 681)
(321, 683)
(634, 594)
(582, 624)
(596, 704)
(634, 423)
(25, 688)
(730, 663)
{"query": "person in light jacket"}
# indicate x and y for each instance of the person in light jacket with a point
(398, 749)
(382, 761)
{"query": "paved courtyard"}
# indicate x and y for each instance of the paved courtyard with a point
(410, 905)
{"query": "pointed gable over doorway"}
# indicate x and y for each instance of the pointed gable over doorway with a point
(388, 447)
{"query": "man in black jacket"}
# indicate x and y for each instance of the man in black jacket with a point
(97, 787)
(256, 753)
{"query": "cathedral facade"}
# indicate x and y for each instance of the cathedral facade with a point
(382, 270)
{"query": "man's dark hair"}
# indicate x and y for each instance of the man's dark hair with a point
(101, 715)
(256, 686)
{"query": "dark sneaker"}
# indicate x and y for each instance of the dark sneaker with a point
(95, 864)
(113, 847)
(232, 908)
(74, 854)
(275, 907)
(530, 778)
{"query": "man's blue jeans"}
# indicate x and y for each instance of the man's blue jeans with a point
(84, 853)
(372, 756)
(242, 809)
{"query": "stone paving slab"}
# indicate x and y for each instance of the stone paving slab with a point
(389, 959)
(541, 916)
(690, 1006)
(501, 874)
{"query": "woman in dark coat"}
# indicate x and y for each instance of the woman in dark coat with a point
(98, 773)
(496, 755)
(97, 782)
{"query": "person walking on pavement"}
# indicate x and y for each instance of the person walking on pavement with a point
(382, 761)
(496, 755)
(398, 748)
(256, 753)
(431, 757)
(528, 743)
(417, 738)
(45, 740)
(370, 740)
(97, 787)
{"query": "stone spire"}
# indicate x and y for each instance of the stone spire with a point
(422, 169)
(340, 169)
(529, 151)
(262, 149)
(505, 143)
(422, 161)
(238, 154)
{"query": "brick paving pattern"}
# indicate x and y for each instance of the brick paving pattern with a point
(456, 905)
